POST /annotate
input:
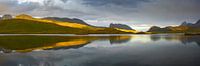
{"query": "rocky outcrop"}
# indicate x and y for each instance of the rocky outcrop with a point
(120, 26)
(6, 16)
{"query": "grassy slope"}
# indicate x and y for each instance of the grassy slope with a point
(29, 26)
(37, 26)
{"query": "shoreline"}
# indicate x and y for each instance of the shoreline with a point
(85, 34)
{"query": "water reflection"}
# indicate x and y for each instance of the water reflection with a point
(182, 38)
(30, 43)
(160, 50)
(119, 39)
(191, 39)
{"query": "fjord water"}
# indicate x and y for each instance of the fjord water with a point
(100, 50)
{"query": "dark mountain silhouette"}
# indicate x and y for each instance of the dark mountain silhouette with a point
(155, 29)
(121, 26)
(186, 24)
(73, 20)
(197, 24)
(162, 30)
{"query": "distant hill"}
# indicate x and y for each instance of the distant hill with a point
(183, 28)
(120, 26)
(24, 16)
(169, 29)
(25, 24)
(74, 20)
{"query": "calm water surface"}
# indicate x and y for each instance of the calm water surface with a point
(100, 50)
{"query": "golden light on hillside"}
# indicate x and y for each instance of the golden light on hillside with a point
(59, 44)
(66, 24)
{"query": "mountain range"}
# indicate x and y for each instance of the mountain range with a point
(183, 28)
(26, 24)
(73, 20)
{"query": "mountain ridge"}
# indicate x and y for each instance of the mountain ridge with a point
(183, 28)
(25, 24)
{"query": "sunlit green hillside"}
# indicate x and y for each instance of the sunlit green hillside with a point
(34, 26)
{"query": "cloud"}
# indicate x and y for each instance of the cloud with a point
(125, 3)
(13, 7)
(170, 11)
(103, 12)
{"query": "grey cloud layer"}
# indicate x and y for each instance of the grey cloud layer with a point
(125, 3)
(132, 12)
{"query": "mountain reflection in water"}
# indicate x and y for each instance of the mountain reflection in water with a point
(182, 38)
(30, 43)
(119, 50)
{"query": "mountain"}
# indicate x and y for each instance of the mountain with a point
(25, 24)
(6, 16)
(197, 24)
(183, 28)
(73, 20)
(186, 24)
(120, 26)
(156, 29)
(169, 29)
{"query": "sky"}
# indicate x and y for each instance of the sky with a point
(139, 14)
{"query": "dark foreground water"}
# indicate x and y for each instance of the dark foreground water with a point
(100, 50)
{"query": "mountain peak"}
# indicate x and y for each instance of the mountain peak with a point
(121, 26)
(198, 22)
(186, 24)
(154, 28)
(7, 16)
(74, 20)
